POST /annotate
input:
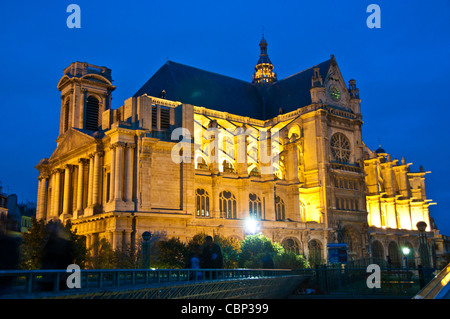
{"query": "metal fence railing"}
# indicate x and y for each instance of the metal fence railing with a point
(353, 281)
(33, 281)
(438, 287)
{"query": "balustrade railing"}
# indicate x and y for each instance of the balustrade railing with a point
(34, 281)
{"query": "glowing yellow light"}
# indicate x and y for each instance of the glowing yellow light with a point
(445, 280)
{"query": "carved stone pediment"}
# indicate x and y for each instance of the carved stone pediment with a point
(71, 140)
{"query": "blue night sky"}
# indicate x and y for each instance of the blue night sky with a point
(401, 69)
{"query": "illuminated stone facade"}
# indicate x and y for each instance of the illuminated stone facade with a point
(300, 169)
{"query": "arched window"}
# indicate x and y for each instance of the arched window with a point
(227, 204)
(277, 173)
(291, 245)
(92, 112)
(202, 197)
(254, 206)
(227, 167)
(280, 209)
(200, 163)
(255, 172)
(66, 115)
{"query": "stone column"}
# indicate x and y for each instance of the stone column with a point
(81, 106)
(83, 162)
(96, 178)
(214, 200)
(118, 183)
(90, 179)
(112, 175)
(42, 191)
(50, 196)
(67, 181)
(129, 173)
(56, 193)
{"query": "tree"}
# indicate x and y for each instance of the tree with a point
(253, 250)
(230, 248)
(171, 253)
(80, 251)
(34, 240)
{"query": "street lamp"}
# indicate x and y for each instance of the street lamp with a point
(146, 236)
(251, 226)
(406, 252)
(423, 244)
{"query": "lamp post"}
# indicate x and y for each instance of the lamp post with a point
(146, 236)
(406, 252)
(423, 245)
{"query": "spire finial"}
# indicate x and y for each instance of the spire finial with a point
(264, 68)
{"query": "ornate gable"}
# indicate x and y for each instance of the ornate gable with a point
(336, 90)
(73, 139)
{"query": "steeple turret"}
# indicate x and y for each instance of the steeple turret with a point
(264, 68)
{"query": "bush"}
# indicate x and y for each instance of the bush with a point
(254, 248)
(290, 260)
(171, 254)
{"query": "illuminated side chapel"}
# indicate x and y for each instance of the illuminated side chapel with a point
(286, 152)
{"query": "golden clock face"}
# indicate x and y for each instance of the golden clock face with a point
(335, 94)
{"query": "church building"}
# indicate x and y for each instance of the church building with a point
(195, 151)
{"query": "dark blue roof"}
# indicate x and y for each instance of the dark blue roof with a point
(264, 58)
(292, 92)
(222, 93)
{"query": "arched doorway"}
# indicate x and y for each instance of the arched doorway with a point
(394, 254)
(315, 253)
(378, 255)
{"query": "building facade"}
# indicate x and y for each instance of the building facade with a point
(194, 151)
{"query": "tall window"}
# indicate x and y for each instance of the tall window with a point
(290, 244)
(227, 204)
(315, 253)
(154, 116)
(66, 114)
(254, 206)
(280, 210)
(92, 111)
(165, 117)
(202, 202)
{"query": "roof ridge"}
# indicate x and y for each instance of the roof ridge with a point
(211, 72)
(290, 76)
